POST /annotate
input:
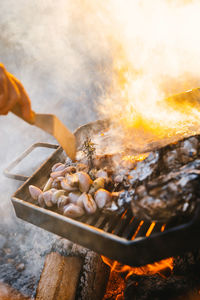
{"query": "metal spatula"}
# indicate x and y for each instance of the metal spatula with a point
(51, 124)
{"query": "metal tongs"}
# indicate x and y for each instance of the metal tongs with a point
(51, 124)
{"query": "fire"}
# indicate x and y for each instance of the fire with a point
(156, 55)
(150, 269)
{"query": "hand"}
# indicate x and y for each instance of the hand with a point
(11, 93)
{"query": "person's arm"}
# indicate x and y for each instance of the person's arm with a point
(11, 93)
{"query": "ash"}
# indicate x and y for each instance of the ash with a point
(22, 252)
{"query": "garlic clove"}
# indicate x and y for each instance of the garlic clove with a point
(80, 200)
(56, 174)
(84, 181)
(48, 198)
(56, 195)
(68, 188)
(102, 198)
(73, 211)
(98, 183)
(119, 179)
(71, 169)
(34, 192)
(41, 200)
(60, 168)
(102, 173)
(56, 166)
(62, 201)
(89, 204)
(72, 179)
(55, 184)
(73, 196)
(48, 184)
(60, 178)
(82, 167)
(53, 190)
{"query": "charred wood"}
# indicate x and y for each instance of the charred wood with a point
(94, 275)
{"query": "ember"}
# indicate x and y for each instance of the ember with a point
(162, 268)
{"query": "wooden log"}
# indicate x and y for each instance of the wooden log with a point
(59, 278)
(94, 275)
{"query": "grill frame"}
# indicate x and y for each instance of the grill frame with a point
(138, 252)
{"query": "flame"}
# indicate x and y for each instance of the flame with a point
(156, 56)
(149, 269)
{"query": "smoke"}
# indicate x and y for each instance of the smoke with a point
(61, 54)
(84, 60)
(54, 50)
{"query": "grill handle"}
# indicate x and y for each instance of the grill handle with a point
(7, 172)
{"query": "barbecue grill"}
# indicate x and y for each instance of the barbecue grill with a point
(122, 237)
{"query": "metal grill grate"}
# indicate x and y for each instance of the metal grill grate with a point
(123, 225)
